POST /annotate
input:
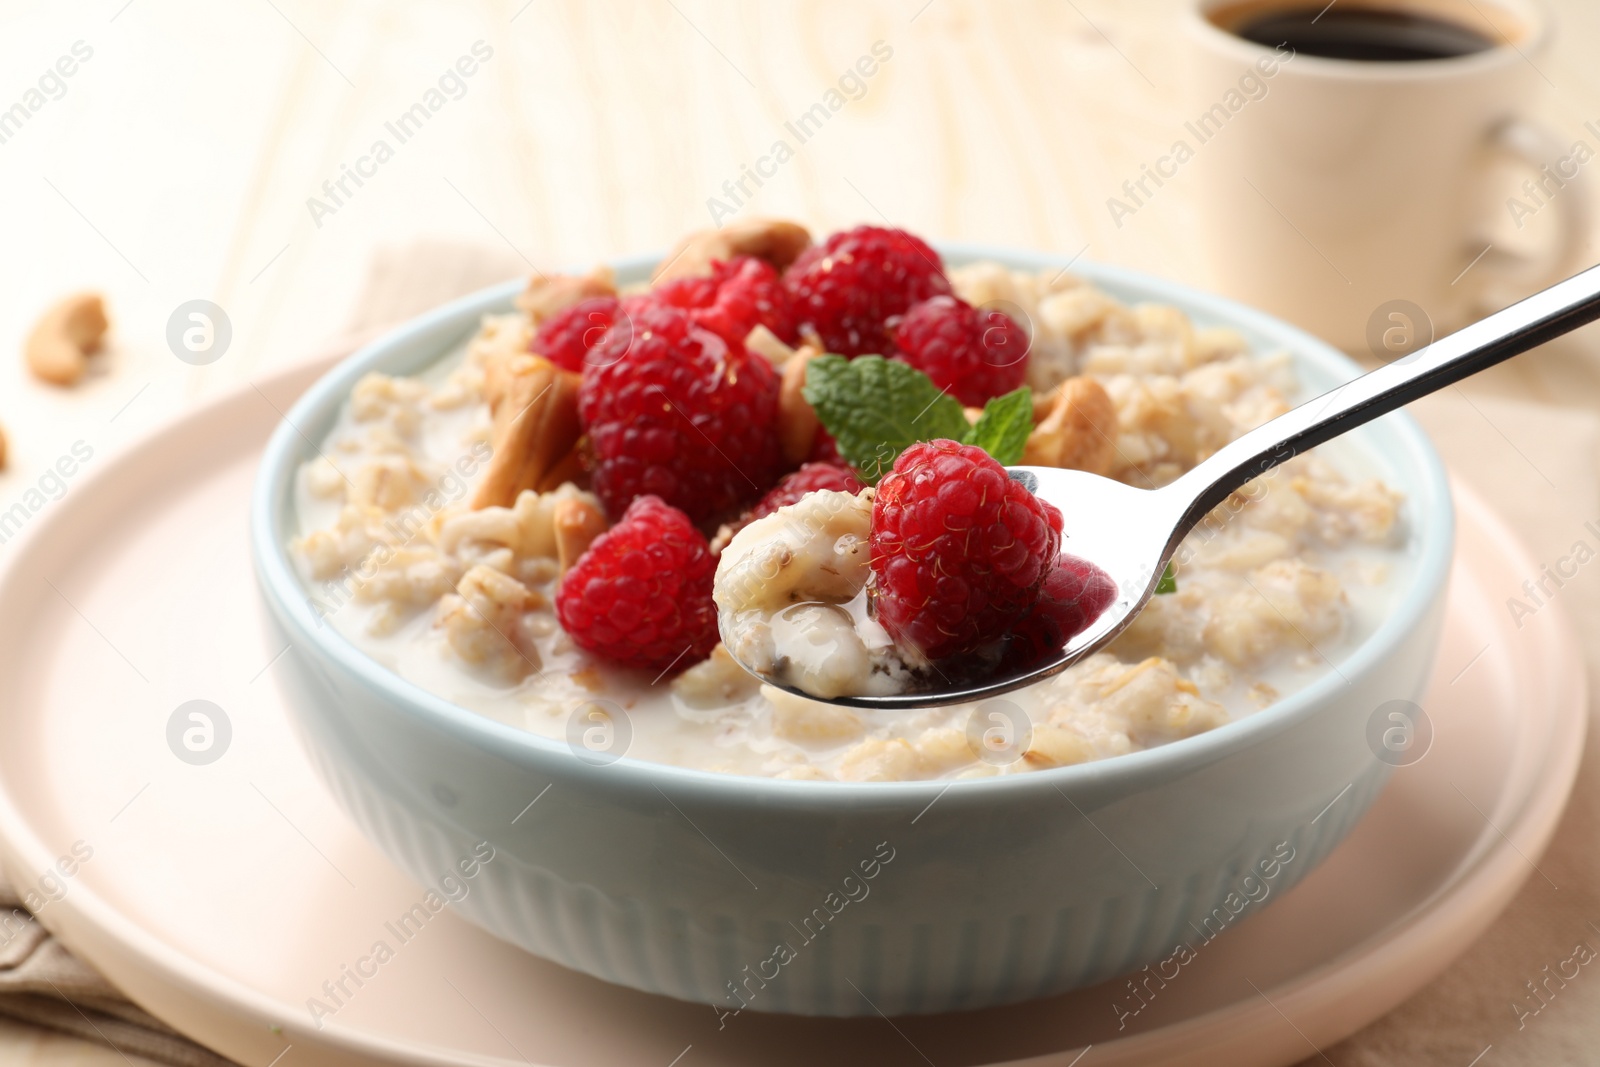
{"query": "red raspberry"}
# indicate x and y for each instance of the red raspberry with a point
(566, 337)
(739, 295)
(824, 449)
(1074, 594)
(973, 354)
(674, 410)
(846, 287)
(641, 594)
(959, 549)
(810, 478)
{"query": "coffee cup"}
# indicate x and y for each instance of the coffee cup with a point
(1355, 178)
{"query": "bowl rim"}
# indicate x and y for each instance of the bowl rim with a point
(1431, 518)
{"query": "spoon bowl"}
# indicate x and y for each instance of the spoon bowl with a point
(1131, 533)
(1132, 558)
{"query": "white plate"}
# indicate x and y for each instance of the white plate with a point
(222, 897)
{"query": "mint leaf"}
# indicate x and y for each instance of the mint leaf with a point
(875, 408)
(1168, 582)
(1003, 428)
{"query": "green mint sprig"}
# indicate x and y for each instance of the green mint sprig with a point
(876, 408)
(1167, 583)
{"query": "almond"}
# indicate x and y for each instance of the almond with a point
(536, 428)
(763, 342)
(577, 523)
(797, 422)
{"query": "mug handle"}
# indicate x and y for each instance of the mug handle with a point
(1512, 275)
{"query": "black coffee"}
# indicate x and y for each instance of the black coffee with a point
(1376, 35)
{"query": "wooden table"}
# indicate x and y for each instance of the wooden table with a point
(180, 162)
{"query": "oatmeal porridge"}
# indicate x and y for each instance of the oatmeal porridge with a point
(531, 528)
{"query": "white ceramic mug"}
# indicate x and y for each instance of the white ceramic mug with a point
(1354, 198)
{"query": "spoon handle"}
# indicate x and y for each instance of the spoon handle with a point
(1545, 315)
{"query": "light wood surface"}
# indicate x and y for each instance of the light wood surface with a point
(179, 161)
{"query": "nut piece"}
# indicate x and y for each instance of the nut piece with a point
(577, 523)
(775, 240)
(547, 294)
(763, 342)
(797, 422)
(59, 347)
(527, 528)
(536, 428)
(1077, 430)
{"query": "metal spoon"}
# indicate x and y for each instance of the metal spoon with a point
(1132, 533)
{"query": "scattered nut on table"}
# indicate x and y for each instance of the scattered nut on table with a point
(62, 340)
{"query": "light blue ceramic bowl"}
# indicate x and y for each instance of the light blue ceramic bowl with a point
(732, 891)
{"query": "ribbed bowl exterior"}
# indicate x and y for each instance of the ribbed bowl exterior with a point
(984, 899)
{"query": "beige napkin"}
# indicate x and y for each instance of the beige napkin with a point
(1540, 466)
(42, 983)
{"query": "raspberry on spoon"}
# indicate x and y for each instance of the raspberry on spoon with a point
(1075, 593)
(959, 549)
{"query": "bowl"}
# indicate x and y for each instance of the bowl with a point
(835, 898)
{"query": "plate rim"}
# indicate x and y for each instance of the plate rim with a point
(98, 930)
(1454, 911)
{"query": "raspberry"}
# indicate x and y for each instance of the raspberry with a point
(1073, 595)
(846, 287)
(959, 550)
(566, 337)
(973, 354)
(672, 409)
(641, 594)
(740, 295)
(824, 449)
(810, 478)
